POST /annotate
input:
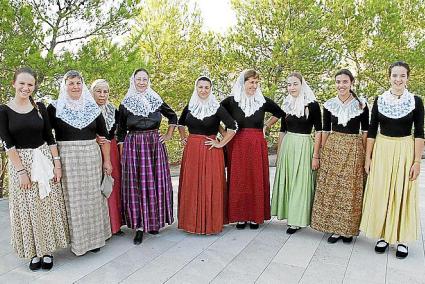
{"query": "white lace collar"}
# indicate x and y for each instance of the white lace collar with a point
(141, 104)
(200, 108)
(393, 107)
(108, 112)
(248, 104)
(296, 105)
(345, 112)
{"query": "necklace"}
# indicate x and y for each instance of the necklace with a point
(343, 101)
(395, 95)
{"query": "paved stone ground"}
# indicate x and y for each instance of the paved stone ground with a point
(267, 255)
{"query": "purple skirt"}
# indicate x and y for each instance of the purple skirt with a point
(146, 189)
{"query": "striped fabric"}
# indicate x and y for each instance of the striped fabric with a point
(147, 192)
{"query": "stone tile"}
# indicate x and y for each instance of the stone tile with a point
(281, 273)
(321, 272)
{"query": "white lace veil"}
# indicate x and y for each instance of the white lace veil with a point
(200, 108)
(77, 113)
(108, 110)
(296, 105)
(141, 103)
(248, 104)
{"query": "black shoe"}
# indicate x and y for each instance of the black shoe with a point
(347, 240)
(119, 233)
(253, 226)
(95, 250)
(401, 254)
(35, 265)
(138, 238)
(381, 249)
(240, 225)
(332, 239)
(292, 230)
(47, 265)
(153, 232)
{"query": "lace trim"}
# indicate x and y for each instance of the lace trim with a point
(108, 112)
(78, 118)
(395, 108)
(142, 104)
(201, 110)
(344, 112)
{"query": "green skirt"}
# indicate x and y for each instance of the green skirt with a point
(294, 183)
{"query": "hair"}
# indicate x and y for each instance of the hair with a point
(31, 72)
(251, 73)
(204, 78)
(401, 64)
(349, 74)
(141, 70)
(296, 75)
(71, 74)
(96, 83)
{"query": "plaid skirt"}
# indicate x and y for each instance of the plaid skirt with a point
(146, 189)
(87, 208)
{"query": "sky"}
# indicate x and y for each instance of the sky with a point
(218, 15)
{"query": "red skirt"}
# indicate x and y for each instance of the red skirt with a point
(248, 177)
(202, 195)
(114, 200)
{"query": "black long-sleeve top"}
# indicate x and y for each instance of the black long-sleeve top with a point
(66, 132)
(25, 130)
(209, 125)
(399, 127)
(131, 122)
(330, 122)
(256, 120)
(303, 124)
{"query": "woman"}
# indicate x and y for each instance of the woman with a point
(100, 92)
(37, 209)
(146, 188)
(338, 199)
(202, 184)
(298, 155)
(77, 120)
(393, 157)
(248, 169)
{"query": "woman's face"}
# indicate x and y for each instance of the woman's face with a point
(141, 81)
(203, 88)
(343, 84)
(74, 87)
(294, 86)
(24, 85)
(251, 86)
(398, 79)
(101, 94)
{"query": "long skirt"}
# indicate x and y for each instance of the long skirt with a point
(248, 177)
(390, 207)
(114, 200)
(146, 189)
(202, 189)
(87, 208)
(294, 183)
(337, 206)
(38, 226)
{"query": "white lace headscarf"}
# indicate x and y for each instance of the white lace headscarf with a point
(77, 113)
(108, 109)
(296, 105)
(201, 108)
(248, 104)
(141, 103)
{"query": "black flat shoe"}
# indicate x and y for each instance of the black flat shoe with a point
(240, 225)
(35, 265)
(253, 226)
(153, 232)
(119, 233)
(47, 265)
(332, 239)
(381, 249)
(95, 250)
(138, 238)
(292, 230)
(401, 254)
(347, 240)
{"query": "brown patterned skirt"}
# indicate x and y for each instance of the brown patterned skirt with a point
(338, 200)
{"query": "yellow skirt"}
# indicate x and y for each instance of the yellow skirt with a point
(390, 205)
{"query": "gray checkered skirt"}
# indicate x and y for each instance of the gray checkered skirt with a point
(87, 208)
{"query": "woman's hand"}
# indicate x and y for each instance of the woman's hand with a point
(315, 164)
(164, 138)
(24, 180)
(214, 143)
(101, 140)
(183, 141)
(107, 167)
(58, 174)
(415, 169)
(367, 163)
(265, 127)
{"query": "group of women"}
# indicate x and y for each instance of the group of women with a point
(59, 156)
